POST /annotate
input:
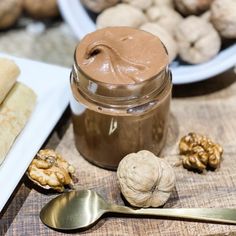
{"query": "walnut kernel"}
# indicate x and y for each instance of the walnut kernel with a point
(199, 152)
(49, 170)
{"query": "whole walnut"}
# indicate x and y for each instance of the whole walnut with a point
(121, 15)
(192, 7)
(198, 41)
(41, 9)
(141, 4)
(164, 36)
(98, 5)
(165, 17)
(10, 11)
(200, 152)
(223, 17)
(145, 180)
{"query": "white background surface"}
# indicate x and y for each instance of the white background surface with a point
(81, 24)
(51, 84)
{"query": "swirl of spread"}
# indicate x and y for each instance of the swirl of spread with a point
(121, 55)
(120, 66)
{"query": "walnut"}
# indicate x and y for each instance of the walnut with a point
(121, 15)
(10, 11)
(164, 36)
(141, 4)
(145, 180)
(166, 17)
(192, 7)
(40, 9)
(98, 6)
(202, 44)
(49, 170)
(223, 17)
(206, 16)
(167, 3)
(200, 152)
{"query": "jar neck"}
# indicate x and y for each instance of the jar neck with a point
(111, 95)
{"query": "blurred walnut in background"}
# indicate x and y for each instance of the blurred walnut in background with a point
(167, 3)
(223, 17)
(194, 30)
(41, 8)
(121, 15)
(10, 11)
(140, 4)
(98, 5)
(190, 7)
(197, 46)
(165, 17)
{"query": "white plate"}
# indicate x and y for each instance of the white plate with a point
(81, 24)
(51, 84)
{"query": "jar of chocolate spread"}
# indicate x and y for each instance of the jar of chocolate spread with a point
(121, 89)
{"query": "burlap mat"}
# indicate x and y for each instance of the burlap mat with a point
(213, 114)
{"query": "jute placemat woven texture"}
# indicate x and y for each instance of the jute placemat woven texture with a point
(213, 114)
(208, 108)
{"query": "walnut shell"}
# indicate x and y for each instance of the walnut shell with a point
(141, 4)
(164, 16)
(145, 180)
(98, 6)
(121, 15)
(164, 36)
(199, 152)
(40, 9)
(49, 170)
(167, 3)
(192, 7)
(223, 17)
(10, 11)
(206, 16)
(199, 46)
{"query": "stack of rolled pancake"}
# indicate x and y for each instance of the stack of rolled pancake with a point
(16, 105)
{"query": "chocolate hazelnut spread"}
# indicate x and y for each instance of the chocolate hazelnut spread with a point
(121, 94)
(121, 55)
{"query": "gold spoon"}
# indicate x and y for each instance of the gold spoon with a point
(81, 209)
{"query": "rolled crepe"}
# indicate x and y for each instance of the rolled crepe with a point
(15, 110)
(9, 72)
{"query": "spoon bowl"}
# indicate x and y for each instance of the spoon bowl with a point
(81, 209)
(73, 210)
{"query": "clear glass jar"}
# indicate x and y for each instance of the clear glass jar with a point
(111, 121)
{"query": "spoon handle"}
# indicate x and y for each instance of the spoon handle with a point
(219, 215)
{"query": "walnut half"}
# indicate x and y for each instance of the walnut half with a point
(49, 170)
(199, 152)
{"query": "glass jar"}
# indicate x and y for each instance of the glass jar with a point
(111, 121)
